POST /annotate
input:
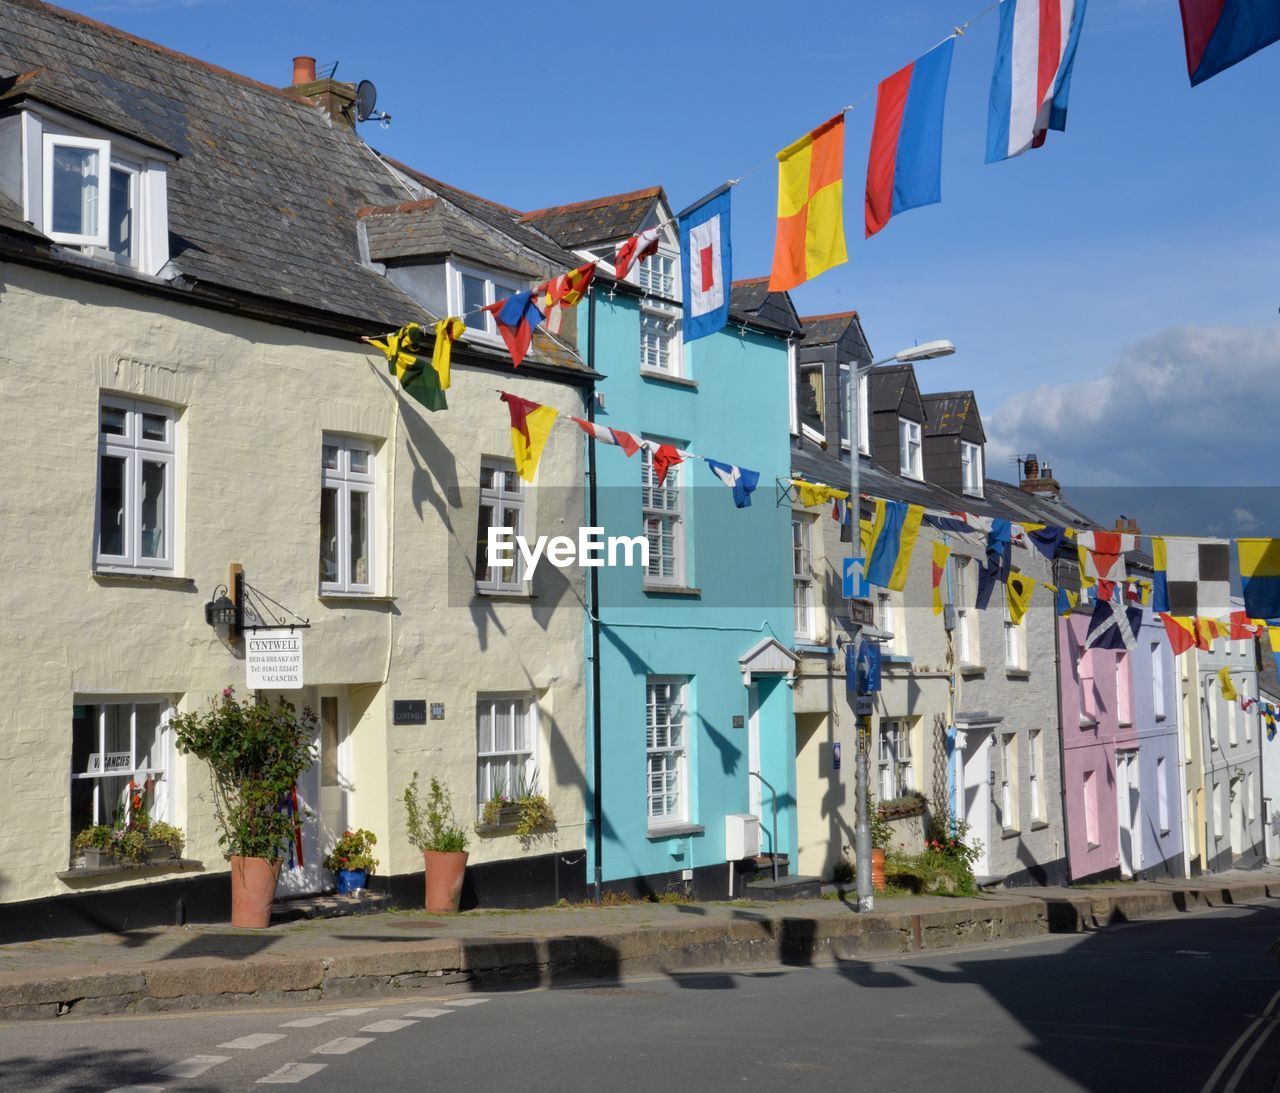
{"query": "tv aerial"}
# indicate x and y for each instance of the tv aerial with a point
(366, 101)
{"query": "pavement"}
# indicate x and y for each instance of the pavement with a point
(199, 967)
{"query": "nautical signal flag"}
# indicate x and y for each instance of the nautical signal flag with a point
(742, 481)
(995, 569)
(904, 170)
(629, 444)
(1273, 639)
(634, 250)
(941, 552)
(1180, 630)
(664, 457)
(705, 264)
(563, 292)
(891, 555)
(517, 318)
(403, 351)
(1035, 51)
(1066, 601)
(1019, 589)
(1221, 33)
(810, 207)
(1113, 625)
(1192, 576)
(1102, 553)
(448, 331)
(1224, 681)
(530, 426)
(1260, 577)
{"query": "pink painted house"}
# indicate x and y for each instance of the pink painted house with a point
(1100, 751)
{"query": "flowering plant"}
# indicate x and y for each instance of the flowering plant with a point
(353, 851)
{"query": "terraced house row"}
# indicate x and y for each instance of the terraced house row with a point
(189, 260)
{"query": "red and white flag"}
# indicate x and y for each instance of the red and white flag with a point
(636, 249)
(605, 435)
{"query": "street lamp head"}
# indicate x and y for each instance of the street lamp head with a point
(926, 352)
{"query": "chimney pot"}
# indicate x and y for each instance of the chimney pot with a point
(304, 70)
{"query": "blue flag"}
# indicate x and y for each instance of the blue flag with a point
(995, 569)
(742, 481)
(705, 264)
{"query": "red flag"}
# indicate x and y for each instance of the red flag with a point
(1181, 632)
(636, 249)
(564, 292)
(517, 318)
(665, 456)
(605, 435)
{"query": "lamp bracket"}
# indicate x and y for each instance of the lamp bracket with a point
(261, 612)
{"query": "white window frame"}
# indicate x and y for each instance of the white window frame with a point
(968, 648)
(136, 450)
(1157, 681)
(502, 501)
(816, 435)
(496, 286)
(910, 443)
(1014, 639)
(802, 579)
(520, 759)
(971, 468)
(668, 339)
(161, 805)
(1009, 781)
(348, 483)
(102, 148)
(673, 487)
(673, 751)
(652, 278)
(1162, 795)
(896, 759)
(1233, 723)
(864, 408)
(1035, 770)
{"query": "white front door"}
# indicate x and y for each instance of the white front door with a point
(976, 795)
(755, 789)
(334, 765)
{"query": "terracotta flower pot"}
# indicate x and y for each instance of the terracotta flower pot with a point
(253, 887)
(445, 871)
(877, 869)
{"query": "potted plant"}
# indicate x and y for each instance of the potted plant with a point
(434, 830)
(255, 752)
(352, 859)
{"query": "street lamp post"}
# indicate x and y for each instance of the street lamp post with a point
(862, 725)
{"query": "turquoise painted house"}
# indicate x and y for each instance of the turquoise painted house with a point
(695, 649)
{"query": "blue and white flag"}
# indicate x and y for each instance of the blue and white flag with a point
(1032, 78)
(705, 266)
(742, 481)
(1113, 625)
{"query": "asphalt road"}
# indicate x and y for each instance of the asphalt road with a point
(1188, 1003)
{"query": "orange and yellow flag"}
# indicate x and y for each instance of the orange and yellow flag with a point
(810, 207)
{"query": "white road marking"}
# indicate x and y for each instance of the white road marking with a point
(342, 1045)
(428, 1013)
(291, 1073)
(193, 1067)
(307, 1022)
(390, 1025)
(357, 1012)
(466, 1002)
(254, 1039)
(1244, 1036)
(1242, 1067)
(137, 1089)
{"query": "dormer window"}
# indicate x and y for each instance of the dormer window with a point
(657, 274)
(909, 459)
(472, 288)
(661, 344)
(102, 194)
(864, 411)
(971, 468)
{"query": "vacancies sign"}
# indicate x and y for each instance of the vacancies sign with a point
(273, 660)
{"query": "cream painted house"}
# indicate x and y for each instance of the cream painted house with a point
(180, 317)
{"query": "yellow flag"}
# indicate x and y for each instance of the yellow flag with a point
(906, 547)
(941, 552)
(1224, 681)
(869, 530)
(530, 426)
(813, 493)
(1019, 589)
(448, 331)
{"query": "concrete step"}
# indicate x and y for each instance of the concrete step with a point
(328, 905)
(787, 886)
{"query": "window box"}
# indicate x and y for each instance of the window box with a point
(109, 874)
(902, 808)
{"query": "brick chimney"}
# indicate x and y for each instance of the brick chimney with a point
(1038, 477)
(1127, 524)
(337, 99)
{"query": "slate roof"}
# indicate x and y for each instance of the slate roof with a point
(751, 301)
(418, 229)
(888, 386)
(827, 329)
(263, 197)
(948, 412)
(11, 219)
(598, 220)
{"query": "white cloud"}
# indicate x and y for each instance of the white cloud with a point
(1188, 406)
(1245, 520)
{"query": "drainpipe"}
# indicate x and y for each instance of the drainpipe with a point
(596, 761)
(1062, 742)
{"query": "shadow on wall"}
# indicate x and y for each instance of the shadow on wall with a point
(89, 1068)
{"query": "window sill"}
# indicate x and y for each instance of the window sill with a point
(106, 874)
(353, 597)
(1017, 673)
(969, 671)
(1010, 832)
(674, 831)
(1088, 723)
(671, 590)
(1039, 825)
(1125, 725)
(663, 377)
(809, 648)
(503, 594)
(133, 576)
(1092, 846)
(901, 660)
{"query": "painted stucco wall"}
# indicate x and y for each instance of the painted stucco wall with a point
(255, 401)
(732, 407)
(1157, 731)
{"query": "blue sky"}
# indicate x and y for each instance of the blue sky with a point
(1144, 242)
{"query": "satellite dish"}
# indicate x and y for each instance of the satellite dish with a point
(366, 100)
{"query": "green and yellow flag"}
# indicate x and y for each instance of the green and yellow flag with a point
(417, 378)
